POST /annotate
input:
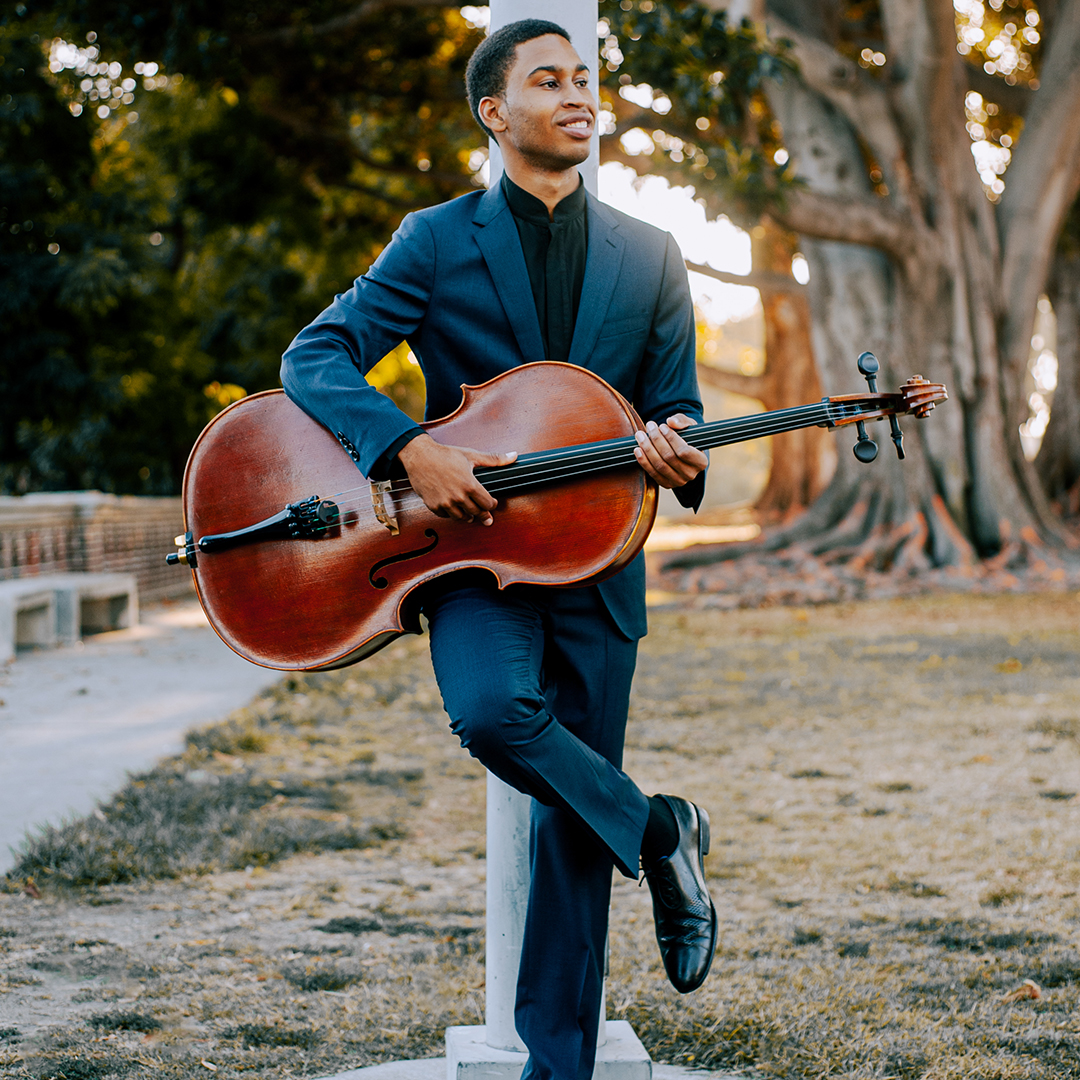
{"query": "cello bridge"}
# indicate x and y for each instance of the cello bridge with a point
(379, 490)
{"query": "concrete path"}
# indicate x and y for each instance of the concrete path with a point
(75, 721)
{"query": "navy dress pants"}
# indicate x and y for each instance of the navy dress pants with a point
(536, 682)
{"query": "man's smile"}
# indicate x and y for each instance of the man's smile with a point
(577, 125)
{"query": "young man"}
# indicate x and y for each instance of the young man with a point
(537, 681)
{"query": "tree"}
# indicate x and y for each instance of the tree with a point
(209, 179)
(709, 80)
(790, 377)
(911, 254)
(1058, 461)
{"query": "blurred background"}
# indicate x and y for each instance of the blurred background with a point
(185, 185)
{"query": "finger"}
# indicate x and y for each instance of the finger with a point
(474, 503)
(671, 448)
(689, 457)
(680, 421)
(651, 460)
(667, 457)
(479, 458)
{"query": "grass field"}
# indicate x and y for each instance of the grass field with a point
(895, 851)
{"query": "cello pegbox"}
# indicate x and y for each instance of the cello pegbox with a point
(920, 395)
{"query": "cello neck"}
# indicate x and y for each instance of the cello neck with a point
(568, 462)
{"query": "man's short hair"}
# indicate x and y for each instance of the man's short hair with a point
(490, 65)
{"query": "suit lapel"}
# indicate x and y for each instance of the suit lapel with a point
(498, 240)
(602, 265)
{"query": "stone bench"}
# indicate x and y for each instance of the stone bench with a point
(57, 609)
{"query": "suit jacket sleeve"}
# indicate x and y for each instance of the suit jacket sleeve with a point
(667, 382)
(323, 370)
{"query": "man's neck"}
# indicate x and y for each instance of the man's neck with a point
(549, 187)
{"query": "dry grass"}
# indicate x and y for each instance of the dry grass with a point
(895, 849)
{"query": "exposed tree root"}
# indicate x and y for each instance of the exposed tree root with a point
(863, 555)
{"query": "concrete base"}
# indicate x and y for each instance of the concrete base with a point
(435, 1069)
(468, 1056)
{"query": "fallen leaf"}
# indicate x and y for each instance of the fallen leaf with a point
(1010, 666)
(208, 1065)
(1028, 989)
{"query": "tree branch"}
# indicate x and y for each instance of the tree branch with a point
(840, 81)
(1044, 175)
(1014, 99)
(851, 221)
(756, 280)
(751, 386)
(900, 20)
(286, 35)
(610, 150)
(390, 200)
(338, 137)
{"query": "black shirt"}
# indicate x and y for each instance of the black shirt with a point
(555, 247)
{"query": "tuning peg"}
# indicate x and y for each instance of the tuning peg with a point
(869, 367)
(865, 449)
(897, 437)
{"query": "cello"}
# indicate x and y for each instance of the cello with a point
(296, 580)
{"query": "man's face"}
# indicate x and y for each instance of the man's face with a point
(547, 113)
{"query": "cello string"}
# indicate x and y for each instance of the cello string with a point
(566, 463)
(731, 430)
(569, 461)
(510, 482)
(584, 460)
(552, 462)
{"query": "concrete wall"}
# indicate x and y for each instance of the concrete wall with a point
(58, 532)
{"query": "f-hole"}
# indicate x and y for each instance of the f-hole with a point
(382, 582)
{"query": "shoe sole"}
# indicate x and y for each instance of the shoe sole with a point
(704, 839)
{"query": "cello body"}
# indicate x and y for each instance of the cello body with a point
(329, 600)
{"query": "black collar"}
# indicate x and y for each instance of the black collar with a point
(530, 208)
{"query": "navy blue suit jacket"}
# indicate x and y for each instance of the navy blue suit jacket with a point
(453, 283)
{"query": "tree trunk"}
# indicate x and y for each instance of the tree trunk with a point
(921, 268)
(1058, 461)
(800, 459)
(797, 476)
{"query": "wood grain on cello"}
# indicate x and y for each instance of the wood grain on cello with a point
(301, 563)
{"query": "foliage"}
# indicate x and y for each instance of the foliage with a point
(708, 122)
(202, 206)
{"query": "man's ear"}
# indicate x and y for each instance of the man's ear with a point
(492, 111)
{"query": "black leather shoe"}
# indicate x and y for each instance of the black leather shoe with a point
(684, 913)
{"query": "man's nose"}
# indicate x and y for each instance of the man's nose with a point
(577, 96)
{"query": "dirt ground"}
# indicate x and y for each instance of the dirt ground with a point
(892, 787)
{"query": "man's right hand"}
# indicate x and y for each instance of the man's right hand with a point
(443, 477)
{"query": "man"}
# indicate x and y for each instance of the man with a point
(536, 681)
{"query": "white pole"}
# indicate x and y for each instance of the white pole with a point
(507, 809)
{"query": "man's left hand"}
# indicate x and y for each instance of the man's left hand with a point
(665, 455)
